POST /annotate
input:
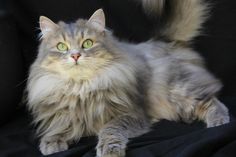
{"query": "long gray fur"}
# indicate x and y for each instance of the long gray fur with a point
(116, 90)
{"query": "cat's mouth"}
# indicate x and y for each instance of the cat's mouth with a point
(75, 63)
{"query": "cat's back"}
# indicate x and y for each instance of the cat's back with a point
(145, 50)
(157, 54)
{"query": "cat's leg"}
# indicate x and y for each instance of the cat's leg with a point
(113, 137)
(55, 133)
(192, 95)
(52, 144)
(212, 112)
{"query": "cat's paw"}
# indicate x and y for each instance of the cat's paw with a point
(50, 146)
(111, 147)
(217, 114)
(217, 121)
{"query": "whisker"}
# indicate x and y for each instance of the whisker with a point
(19, 84)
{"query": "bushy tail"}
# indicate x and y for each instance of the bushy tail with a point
(184, 17)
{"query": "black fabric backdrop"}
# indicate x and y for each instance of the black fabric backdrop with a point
(18, 42)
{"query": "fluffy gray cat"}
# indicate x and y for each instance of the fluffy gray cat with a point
(85, 82)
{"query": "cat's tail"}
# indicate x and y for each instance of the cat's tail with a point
(183, 19)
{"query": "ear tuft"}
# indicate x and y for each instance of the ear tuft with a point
(46, 25)
(97, 20)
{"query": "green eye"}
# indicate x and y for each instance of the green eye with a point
(62, 46)
(88, 43)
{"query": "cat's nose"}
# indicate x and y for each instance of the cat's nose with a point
(75, 56)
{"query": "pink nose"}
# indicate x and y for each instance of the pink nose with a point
(75, 56)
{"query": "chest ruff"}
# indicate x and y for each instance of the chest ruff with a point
(76, 114)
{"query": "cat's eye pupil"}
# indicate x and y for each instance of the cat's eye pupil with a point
(87, 44)
(62, 46)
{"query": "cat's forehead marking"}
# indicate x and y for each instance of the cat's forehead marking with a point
(82, 34)
(63, 36)
(70, 29)
(75, 32)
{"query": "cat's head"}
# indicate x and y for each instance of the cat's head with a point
(78, 49)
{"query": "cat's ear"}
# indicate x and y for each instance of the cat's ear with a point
(97, 20)
(46, 25)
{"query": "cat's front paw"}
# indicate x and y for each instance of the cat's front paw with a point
(111, 147)
(217, 121)
(52, 145)
(217, 114)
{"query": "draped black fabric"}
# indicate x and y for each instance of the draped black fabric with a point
(19, 41)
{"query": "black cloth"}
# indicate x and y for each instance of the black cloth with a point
(18, 42)
(11, 69)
